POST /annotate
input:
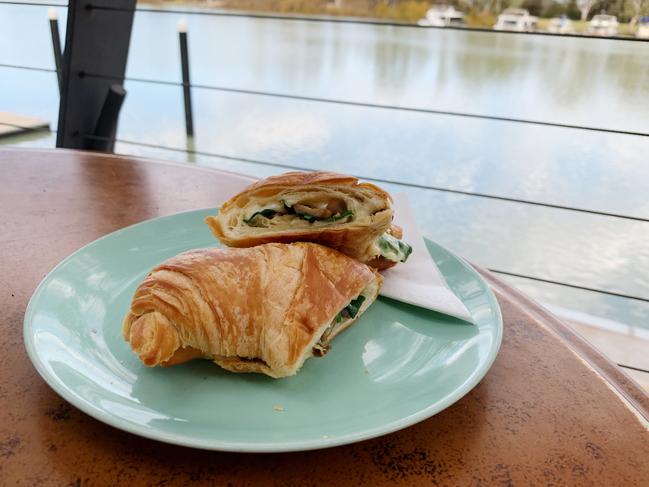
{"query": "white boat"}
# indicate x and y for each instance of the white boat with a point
(561, 25)
(602, 25)
(642, 32)
(517, 20)
(442, 16)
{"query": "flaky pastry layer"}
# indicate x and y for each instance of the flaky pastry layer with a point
(259, 309)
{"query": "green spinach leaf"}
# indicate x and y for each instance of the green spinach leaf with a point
(394, 249)
(267, 213)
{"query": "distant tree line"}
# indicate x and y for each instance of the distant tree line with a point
(625, 10)
(479, 11)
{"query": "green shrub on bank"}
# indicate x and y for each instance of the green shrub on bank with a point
(479, 13)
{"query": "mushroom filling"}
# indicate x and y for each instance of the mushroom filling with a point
(233, 359)
(251, 360)
(329, 211)
(348, 313)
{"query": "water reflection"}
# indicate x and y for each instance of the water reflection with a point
(139, 414)
(82, 369)
(399, 352)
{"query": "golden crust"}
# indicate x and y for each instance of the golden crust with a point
(396, 231)
(354, 238)
(298, 178)
(260, 309)
(380, 263)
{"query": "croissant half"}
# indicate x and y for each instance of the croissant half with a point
(261, 309)
(328, 208)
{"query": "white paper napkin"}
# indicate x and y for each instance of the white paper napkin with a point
(418, 281)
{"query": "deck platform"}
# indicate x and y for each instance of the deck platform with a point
(14, 124)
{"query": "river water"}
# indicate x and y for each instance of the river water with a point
(600, 83)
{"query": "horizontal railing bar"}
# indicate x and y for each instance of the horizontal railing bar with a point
(511, 200)
(333, 20)
(350, 102)
(355, 20)
(632, 368)
(29, 68)
(388, 181)
(33, 4)
(574, 286)
(328, 19)
(429, 111)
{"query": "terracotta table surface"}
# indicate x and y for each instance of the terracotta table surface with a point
(551, 411)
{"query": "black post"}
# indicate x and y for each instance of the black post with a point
(56, 43)
(184, 59)
(96, 48)
(106, 127)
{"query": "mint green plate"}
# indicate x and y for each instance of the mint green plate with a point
(396, 366)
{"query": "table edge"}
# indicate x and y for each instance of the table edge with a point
(625, 386)
(126, 158)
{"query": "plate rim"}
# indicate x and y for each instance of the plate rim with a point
(99, 414)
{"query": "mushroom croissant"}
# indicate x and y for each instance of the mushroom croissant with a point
(323, 207)
(261, 309)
